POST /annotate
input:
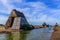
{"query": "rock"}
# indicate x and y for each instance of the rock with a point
(16, 20)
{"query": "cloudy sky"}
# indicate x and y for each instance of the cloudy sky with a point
(35, 11)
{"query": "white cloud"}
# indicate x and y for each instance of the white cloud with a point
(37, 12)
(55, 13)
(19, 1)
(8, 6)
(3, 19)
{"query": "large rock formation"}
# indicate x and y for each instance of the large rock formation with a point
(16, 20)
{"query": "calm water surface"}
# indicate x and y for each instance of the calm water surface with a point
(36, 34)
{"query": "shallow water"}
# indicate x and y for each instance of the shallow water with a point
(36, 34)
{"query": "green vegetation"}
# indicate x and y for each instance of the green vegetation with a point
(27, 27)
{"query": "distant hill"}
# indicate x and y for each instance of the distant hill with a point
(1, 25)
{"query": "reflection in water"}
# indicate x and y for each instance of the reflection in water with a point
(17, 35)
(40, 34)
(23, 35)
(13, 36)
(2, 36)
(36, 34)
(9, 37)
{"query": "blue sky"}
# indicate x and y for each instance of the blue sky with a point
(36, 11)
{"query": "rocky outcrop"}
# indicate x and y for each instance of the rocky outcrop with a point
(16, 20)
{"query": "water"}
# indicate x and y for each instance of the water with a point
(36, 34)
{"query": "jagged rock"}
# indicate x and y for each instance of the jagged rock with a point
(56, 27)
(16, 20)
(44, 24)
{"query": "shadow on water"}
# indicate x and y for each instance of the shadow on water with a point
(36, 34)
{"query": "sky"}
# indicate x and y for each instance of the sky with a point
(35, 11)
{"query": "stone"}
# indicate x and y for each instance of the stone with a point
(16, 20)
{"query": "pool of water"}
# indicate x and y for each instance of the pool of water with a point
(35, 34)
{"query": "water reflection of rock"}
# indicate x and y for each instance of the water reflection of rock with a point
(9, 37)
(17, 35)
(23, 35)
